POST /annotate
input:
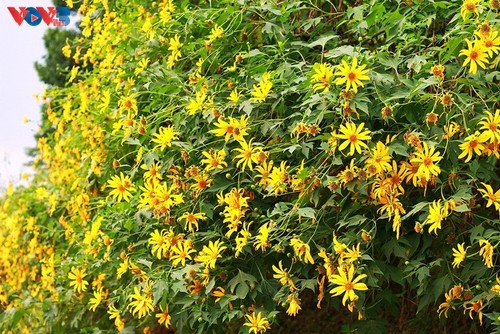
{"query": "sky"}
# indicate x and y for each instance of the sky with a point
(21, 47)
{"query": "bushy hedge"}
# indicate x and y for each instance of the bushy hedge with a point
(221, 160)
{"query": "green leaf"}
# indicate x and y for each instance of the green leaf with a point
(133, 141)
(309, 284)
(462, 208)
(353, 221)
(129, 224)
(322, 41)
(399, 149)
(247, 107)
(252, 53)
(392, 247)
(242, 290)
(391, 62)
(307, 212)
(145, 262)
(417, 208)
(241, 279)
(271, 9)
(416, 63)
(451, 47)
(422, 273)
(220, 184)
(159, 289)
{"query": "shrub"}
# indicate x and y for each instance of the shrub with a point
(220, 161)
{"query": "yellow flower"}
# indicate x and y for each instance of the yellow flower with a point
(476, 55)
(322, 77)
(66, 50)
(242, 239)
(486, 252)
(469, 7)
(73, 73)
(302, 249)
(447, 304)
(380, 158)
(128, 103)
(339, 247)
(262, 89)
(426, 157)
(438, 71)
(196, 104)
(282, 275)
(496, 288)
(257, 323)
(209, 254)
(492, 196)
(214, 159)
(475, 306)
(347, 284)
(491, 126)
(235, 128)
(352, 254)
(164, 317)
(114, 313)
(332, 142)
(96, 300)
(218, 293)
(262, 239)
(141, 65)
(247, 154)
(436, 215)
(122, 269)
(234, 96)
(175, 44)
(164, 137)
(192, 219)
(122, 187)
(447, 101)
(159, 241)
(77, 282)
(472, 144)
(203, 181)
(152, 172)
(105, 101)
(451, 130)
(143, 304)
(351, 76)
(278, 179)
(264, 171)
(217, 31)
(180, 252)
(354, 137)
(294, 305)
(490, 42)
(459, 254)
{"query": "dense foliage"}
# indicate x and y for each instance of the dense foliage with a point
(210, 164)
